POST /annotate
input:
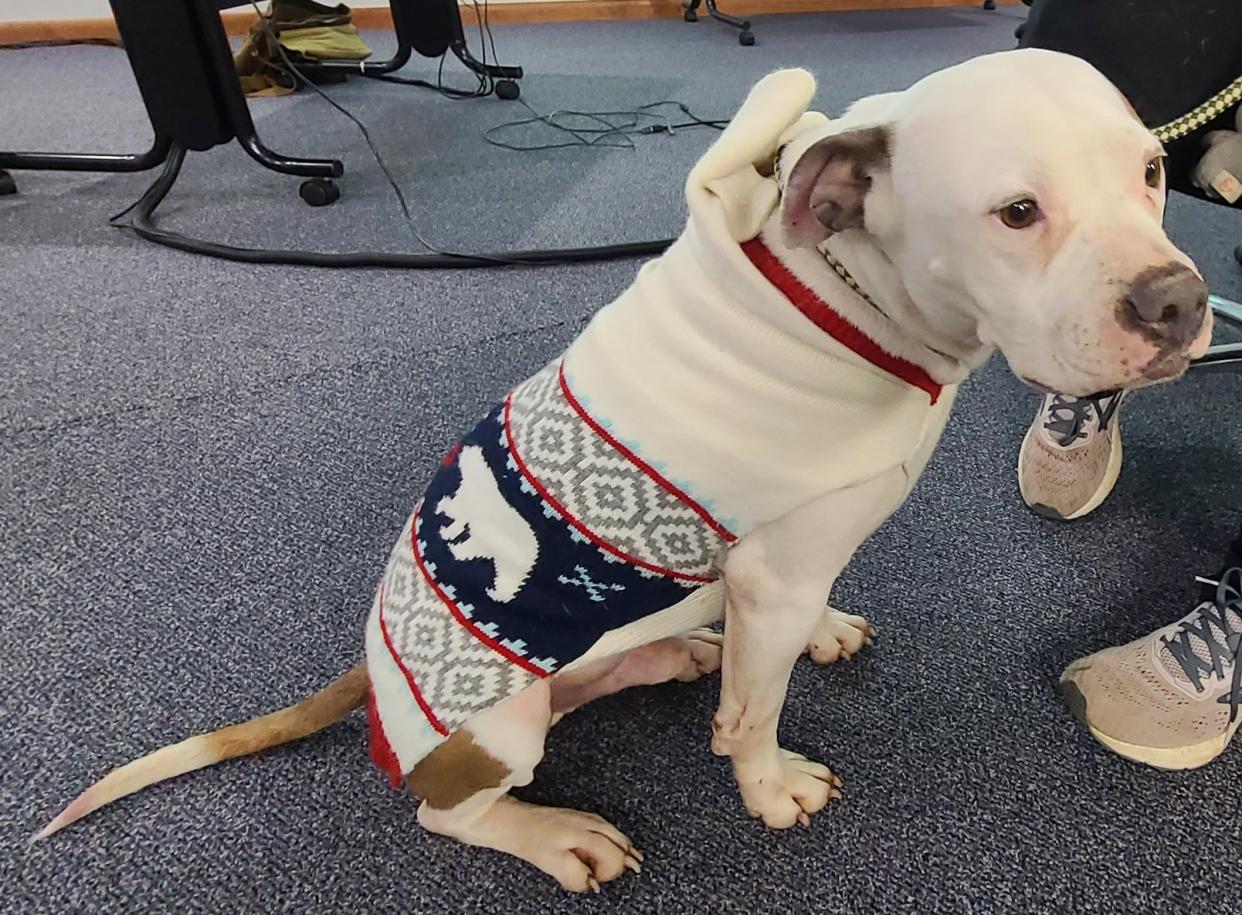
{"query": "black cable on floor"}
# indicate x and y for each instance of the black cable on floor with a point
(142, 222)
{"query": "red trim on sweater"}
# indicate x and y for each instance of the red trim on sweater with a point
(381, 750)
(474, 630)
(639, 462)
(582, 528)
(409, 677)
(833, 323)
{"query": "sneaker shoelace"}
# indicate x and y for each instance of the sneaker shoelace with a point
(1068, 416)
(1209, 625)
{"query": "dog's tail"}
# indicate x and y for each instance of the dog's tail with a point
(328, 706)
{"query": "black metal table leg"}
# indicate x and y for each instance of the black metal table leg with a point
(690, 13)
(307, 168)
(218, 58)
(1227, 357)
(88, 162)
(1226, 310)
(457, 42)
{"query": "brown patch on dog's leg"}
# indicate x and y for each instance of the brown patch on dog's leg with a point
(455, 771)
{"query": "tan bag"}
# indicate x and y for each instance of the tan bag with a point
(307, 31)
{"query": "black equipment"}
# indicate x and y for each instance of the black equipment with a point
(183, 65)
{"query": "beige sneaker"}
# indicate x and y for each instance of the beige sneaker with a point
(1169, 699)
(1071, 456)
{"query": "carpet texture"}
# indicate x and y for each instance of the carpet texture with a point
(203, 465)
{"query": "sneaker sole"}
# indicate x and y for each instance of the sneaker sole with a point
(1175, 758)
(1111, 474)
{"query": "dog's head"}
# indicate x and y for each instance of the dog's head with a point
(1021, 200)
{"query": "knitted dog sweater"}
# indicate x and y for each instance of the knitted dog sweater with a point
(718, 392)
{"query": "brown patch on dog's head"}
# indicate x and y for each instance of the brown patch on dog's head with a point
(828, 185)
(455, 771)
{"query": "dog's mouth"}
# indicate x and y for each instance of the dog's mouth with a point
(1166, 367)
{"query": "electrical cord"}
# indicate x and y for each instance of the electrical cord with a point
(598, 136)
(142, 212)
(142, 223)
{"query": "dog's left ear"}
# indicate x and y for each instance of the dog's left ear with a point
(827, 187)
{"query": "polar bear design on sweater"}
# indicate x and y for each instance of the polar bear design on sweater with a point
(493, 529)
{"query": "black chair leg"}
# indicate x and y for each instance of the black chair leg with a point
(88, 162)
(1225, 357)
(1226, 310)
(745, 36)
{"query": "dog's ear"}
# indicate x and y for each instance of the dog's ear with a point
(828, 184)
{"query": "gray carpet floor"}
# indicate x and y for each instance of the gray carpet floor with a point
(203, 465)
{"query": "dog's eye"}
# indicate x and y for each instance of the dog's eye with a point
(1020, 214)
(1155, 171)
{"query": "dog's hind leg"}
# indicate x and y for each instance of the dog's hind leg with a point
(684, 658)
(464, 787)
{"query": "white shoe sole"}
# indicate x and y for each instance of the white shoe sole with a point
(1111, 473)
(1191, 757)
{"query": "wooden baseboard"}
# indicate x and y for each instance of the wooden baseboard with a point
(524, 11)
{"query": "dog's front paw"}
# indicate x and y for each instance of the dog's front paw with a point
(839, 636)
(797, 789)
(581, 850)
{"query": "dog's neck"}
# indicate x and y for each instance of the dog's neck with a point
(880, 306)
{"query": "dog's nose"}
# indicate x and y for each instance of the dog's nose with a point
(1166, 305)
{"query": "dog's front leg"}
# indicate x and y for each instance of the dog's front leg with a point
(776, 582)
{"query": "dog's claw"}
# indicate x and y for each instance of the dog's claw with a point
(633, 865)
(636, 854)
(593, 884)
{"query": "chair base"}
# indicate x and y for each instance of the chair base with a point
(1224, 357)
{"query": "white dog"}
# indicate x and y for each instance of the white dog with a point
(723, 437)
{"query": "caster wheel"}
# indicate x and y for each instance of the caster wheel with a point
(319, 192)
(507, 89)
(7, 184)
(989, 4)
(690, 16)
(746, 39)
